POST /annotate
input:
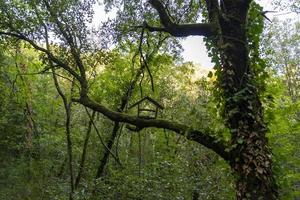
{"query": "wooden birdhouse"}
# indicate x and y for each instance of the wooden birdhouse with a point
(147, 108)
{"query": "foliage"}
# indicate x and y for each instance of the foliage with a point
(156, 164)
(280, 49)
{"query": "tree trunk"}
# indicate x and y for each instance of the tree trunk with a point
(250, 156)
(105, 156)
(84, 150)
(67, 105)
(116, 127)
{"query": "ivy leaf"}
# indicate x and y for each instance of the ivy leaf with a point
(240, 141)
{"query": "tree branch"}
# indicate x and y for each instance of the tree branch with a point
(74, 50)
(178, 30)
(47, 52)
(101, 139)
(205, 139)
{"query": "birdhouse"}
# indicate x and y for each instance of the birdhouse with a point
(147, 108)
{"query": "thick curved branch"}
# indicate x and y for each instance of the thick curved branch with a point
(191, 134)
(178, 30)
(184, 30)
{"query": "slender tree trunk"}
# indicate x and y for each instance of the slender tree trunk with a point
(251, 157)
(124, 102)
(116, 127)
(69, 148)
(84, 150)
(67, 106)
(105, 156)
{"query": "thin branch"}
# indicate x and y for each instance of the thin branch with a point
(101, 139)
(140, 84)
(118, 140)
(143, 61)
(47, 73)
(74, 51)
(186, 10)
(47, 52)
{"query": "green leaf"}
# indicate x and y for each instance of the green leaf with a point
(240, 141)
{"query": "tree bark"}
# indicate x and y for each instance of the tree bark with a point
(250, 157)
(105, 156)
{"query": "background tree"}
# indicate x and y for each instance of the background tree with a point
(280, 48)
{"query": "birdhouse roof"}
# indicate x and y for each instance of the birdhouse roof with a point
(149, 99)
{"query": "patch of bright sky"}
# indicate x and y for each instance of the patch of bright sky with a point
(194, 48)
